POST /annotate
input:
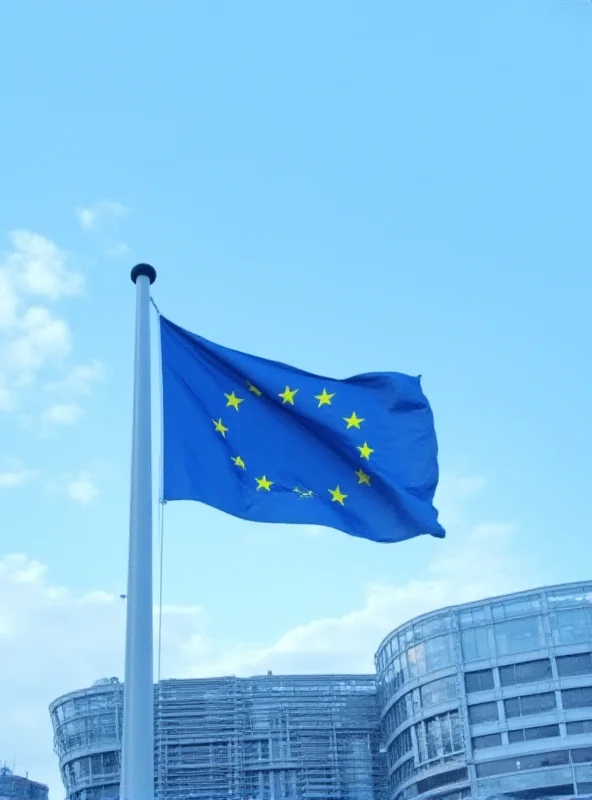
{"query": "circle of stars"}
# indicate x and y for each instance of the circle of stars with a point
(288, 397)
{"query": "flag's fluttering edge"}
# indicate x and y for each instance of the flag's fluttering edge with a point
(269, 443)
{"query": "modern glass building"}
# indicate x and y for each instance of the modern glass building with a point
(491, 699)
(263, 738)
(14, 787)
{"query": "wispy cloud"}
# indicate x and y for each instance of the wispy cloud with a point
(455, 491)
(78, 379)
(82, 489)
(34, 274)
(61, 414)
(38, 337)
(16, 478)
(36, 266)
(99, 214)
(31, 335)
(34, 613)
(347, 643)
(119, 250)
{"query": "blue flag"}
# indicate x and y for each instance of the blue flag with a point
(269, 443)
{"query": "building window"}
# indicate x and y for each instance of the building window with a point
(439, 736)
(533, 761)
(440, 652)
(440, 691)
(478, 615)
(529, 704)
(416, 661)
(395, 674)
(431, 627)
(582, 756)
(443, 779)
(581, 726)
(479, 681)
(570, 597)
(111, 762)
(572, 627)
(519, 635)
(477, 643)
(491, 740)
(483, 712)
(577, 698)
(403, 773)
(580, 664)
(516, 608)
(400, 746)
(400, 711)
(528, 672)
(530, 734)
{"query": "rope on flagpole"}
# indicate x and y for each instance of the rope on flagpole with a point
(153, 304)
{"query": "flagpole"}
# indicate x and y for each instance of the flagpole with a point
(137, 759)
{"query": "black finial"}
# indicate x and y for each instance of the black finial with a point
(143, 269)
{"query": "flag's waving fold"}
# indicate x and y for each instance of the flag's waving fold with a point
(270, 443)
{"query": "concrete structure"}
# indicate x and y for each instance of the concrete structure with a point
(491, 699)
(14, 787)
(263, 738)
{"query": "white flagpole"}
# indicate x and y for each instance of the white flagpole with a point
(137, 759)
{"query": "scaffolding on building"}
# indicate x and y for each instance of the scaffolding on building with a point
(16, 787)
(263, 738)
(312, 737)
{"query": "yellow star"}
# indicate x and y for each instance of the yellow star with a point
(233, 400)
(362, 477)
(324, 398)
(353, 421)
(220, 427)
(254, 389)
(263, 483)
(365, 451)
(337, 495)
(238, 462)
(288, 395)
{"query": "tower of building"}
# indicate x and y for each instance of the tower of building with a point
(491, 698)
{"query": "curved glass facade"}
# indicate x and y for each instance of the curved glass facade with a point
(261, 738)
(490, 699)
(87, 740)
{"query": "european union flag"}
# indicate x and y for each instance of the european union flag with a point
(269, 443)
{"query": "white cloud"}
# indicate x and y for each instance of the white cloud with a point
(61, 414)
(34, 268)
(8, 299)
(39, 267)
(454, 491)
(78, 636)
(82, 489)
(89, 627)
(479, 565)
(39, 337)
(16, 478)
(7, 397)
(35, 273)
(119, 250)
(94, 216)
(79, 379)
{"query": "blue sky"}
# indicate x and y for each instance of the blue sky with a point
(342, 186)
